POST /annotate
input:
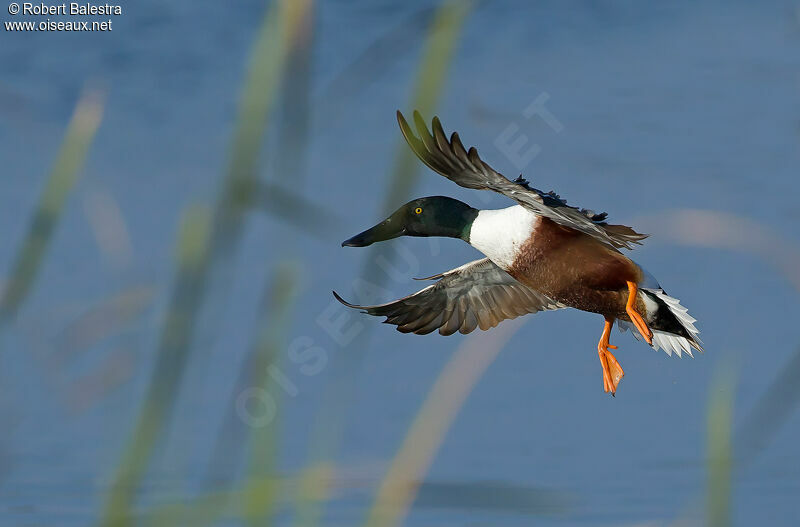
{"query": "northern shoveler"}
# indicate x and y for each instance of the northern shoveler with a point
(541, 254)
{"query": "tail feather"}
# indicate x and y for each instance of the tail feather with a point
(672, 325)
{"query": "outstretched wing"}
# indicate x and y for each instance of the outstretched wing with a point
(466, 168)
(477, 294)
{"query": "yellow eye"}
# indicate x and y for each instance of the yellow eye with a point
(418, 210)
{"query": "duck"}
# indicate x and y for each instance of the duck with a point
(540, 254)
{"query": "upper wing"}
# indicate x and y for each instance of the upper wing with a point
(476, 294)
(451, 159)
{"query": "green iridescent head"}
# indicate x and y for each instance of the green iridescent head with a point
(431, 216)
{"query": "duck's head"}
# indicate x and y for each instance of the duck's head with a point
(431, 216)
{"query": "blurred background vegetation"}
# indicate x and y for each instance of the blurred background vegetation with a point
(171, 353)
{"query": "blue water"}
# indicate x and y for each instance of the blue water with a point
(676, 106)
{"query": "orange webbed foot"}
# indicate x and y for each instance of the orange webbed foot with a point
(636, 318)
(612, 371)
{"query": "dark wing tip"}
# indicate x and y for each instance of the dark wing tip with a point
(419, 122)
(406, 130)
(345, 302)
(432, 277)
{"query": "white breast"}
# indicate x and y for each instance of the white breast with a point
(499, 234)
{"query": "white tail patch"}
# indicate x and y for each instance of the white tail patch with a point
(669, 342)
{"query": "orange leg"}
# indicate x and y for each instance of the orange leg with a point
(636, 318)
(612, 371)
